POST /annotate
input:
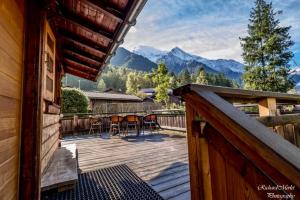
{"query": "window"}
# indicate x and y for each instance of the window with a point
(49, 65)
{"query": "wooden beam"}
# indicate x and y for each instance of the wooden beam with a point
(280, 120)
(79, 66)
(243, 96)
(78, 20)
(193, 154)
(81, 61)
(75, 72)
(81, 52)
(80, 45)
(67, 52)
(104, 7)
(30, 171)
(249, 136)
(267, 107)
(84, 41)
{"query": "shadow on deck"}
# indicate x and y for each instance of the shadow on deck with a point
(161, 160)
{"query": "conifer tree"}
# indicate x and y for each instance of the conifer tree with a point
(266, 51)
(161, 79)
(185, 77)
(202, 77)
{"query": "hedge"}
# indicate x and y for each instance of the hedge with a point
(74, 101)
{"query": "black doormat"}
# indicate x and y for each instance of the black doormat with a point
(116, 183)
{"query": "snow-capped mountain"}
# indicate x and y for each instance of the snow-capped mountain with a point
(156, 56)
(149, 52)
(145, 58)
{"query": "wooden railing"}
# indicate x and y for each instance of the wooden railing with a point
(232, 155)
(74, 124)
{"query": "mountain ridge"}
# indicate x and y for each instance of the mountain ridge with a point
(146, 58)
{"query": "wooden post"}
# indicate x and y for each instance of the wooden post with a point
(30, 171)
(198, 157)
(267, 107)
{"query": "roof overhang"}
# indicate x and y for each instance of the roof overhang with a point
(89, 32)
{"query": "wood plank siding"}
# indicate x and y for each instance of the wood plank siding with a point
(11, 67)
(50, 138)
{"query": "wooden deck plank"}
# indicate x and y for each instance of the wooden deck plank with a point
(160, 160)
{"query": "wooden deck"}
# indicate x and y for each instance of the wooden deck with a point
(160, 160)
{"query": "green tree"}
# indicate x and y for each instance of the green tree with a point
(174, 83)
(266, 51)
(132, 83)
(101, 85)
(185, 77)
(115, 78)
(161, 79)
(147, 81)
(74, 101)
(202, 78)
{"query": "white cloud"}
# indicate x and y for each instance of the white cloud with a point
(207, 28)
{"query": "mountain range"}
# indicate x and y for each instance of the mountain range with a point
(145, 58)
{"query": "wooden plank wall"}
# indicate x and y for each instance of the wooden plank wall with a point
(11, 67)
(50, 138)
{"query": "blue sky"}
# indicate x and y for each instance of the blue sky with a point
(209, 28)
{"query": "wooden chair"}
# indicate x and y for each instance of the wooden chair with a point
(151, 122)
(115, 124)
(132, 121)
(96, 124)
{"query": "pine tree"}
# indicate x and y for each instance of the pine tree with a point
(161, 79)
(266, 51)
(132, 83)
(202, 77)
(185, 77)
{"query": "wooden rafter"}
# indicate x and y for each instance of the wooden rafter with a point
(104, 7)
(82, 52)
(81, 61)
(79, 66)
(83, 40)
(75, 72)
(80, 45)
(86, 59)
(84, 23)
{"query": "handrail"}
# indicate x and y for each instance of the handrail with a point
(257, 142)
(242, 95)
(279, 120)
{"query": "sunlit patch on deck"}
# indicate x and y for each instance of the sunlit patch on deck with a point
(161, 160)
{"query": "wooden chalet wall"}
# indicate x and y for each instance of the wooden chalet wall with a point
(51, 109)
(11, 69)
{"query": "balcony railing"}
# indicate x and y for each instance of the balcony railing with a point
(232, 155)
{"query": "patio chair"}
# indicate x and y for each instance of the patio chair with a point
(115, 124)
(151, 122)
(132, 121)
(96, 124)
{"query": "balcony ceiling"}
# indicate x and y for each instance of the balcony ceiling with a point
(88, 32)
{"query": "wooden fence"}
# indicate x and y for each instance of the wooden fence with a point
(81, 124)
(287, 126)
(102, 108)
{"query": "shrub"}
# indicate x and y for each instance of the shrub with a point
(74, 101)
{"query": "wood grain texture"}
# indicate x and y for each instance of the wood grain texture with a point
(30, 171)
(252, 135)
(193, 154)
(160, 160)
(11, 67)
(252, 154)
(267, 107)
